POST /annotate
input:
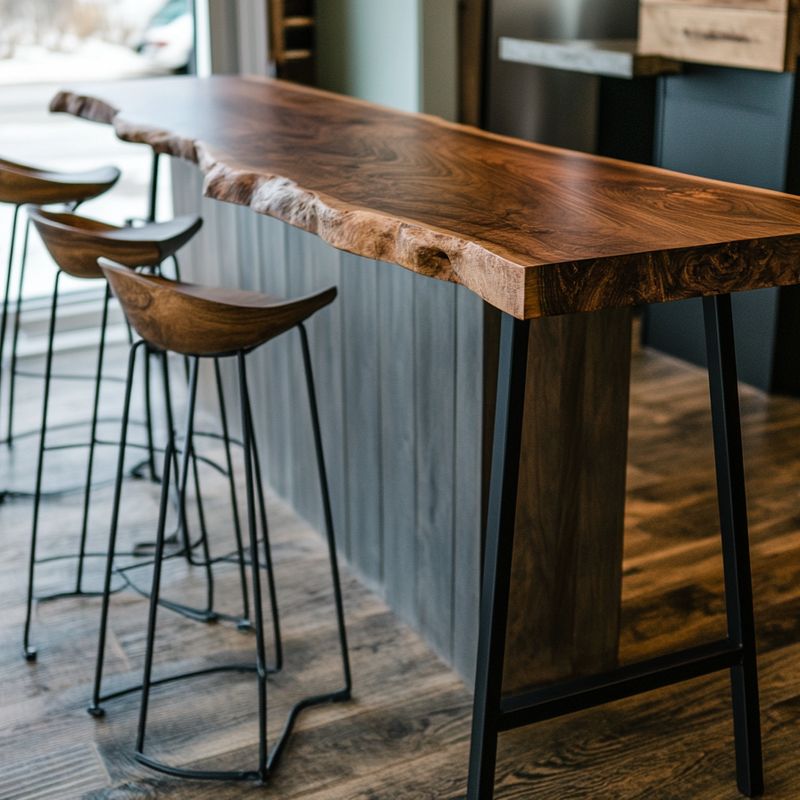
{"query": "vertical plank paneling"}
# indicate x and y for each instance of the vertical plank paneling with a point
(299, 282)
(325, 333)
(271, 266)
(187, 188)
(566, 581)
(398, 433)
(467, 483)
(361, 324)
(434, 363)
(398, 361)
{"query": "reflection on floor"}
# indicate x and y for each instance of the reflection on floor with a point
(406, 733)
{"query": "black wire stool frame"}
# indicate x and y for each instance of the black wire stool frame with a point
(13, 371)
(29, 651)
(492, 711)
(187, 550)
(267, 759)
(8, 279)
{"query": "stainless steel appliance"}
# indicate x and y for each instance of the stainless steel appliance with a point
(547, 105)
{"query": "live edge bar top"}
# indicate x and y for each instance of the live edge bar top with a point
(533, 230)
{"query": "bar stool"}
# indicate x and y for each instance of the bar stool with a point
(21, 184)
(203, 323)
(75, 243)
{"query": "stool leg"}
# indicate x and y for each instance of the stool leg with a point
(12, 375)
(154, 595)
(95, 709)
(262, 508)
(244, 623)
(261, 660)
(87, 492)
(187, 456)
(177, 274)
(183, 525)
(148, 416)
(151, 209)
(28, 650)
(326, 505)
(735, 544)
(140, 548)
(7, 290)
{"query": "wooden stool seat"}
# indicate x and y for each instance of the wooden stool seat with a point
(76, 242)
(201, 321)
(20, 183)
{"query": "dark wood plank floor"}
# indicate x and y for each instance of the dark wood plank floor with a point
(405, 735)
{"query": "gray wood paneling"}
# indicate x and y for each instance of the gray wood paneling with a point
(398, 435)
(399, 368)
(325, 332)
(361, 322)
(434, 365)
(467, 500)
(300, 281)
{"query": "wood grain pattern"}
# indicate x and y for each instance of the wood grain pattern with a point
(76, 242)
(196, 320)
(564, 607)
(533, 230)
(21, 183)
(405, 736)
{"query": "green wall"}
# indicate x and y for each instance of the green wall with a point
(401, 53)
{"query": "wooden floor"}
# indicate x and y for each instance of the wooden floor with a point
(405, 735)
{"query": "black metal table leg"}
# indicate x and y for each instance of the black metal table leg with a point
(735, 545)
(497, 561)
(493, 712)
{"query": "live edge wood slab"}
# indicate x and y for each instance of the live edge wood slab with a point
(533, 230)
(536, 232)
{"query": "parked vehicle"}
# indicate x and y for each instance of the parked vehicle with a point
(168, 40)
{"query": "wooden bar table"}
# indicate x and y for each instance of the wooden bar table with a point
(569, 240)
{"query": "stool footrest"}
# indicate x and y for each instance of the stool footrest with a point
(179, 677)
(274, 756)
(582, 693)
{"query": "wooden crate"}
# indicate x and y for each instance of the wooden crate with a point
(756, 34)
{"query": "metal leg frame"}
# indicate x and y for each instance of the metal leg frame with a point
(96, 709)
(179, 467)
(39, 494)
(12, 373)
(492, 711)
(267, 760)
(28, 650)
(188, 455)
(87, 494)
(206, 615)
(151, 209)
(7, 288)
(244, 623)
(262, 509)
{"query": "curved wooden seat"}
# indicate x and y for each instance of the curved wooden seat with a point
(76, 242)
(20, 183)
(201, 321)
